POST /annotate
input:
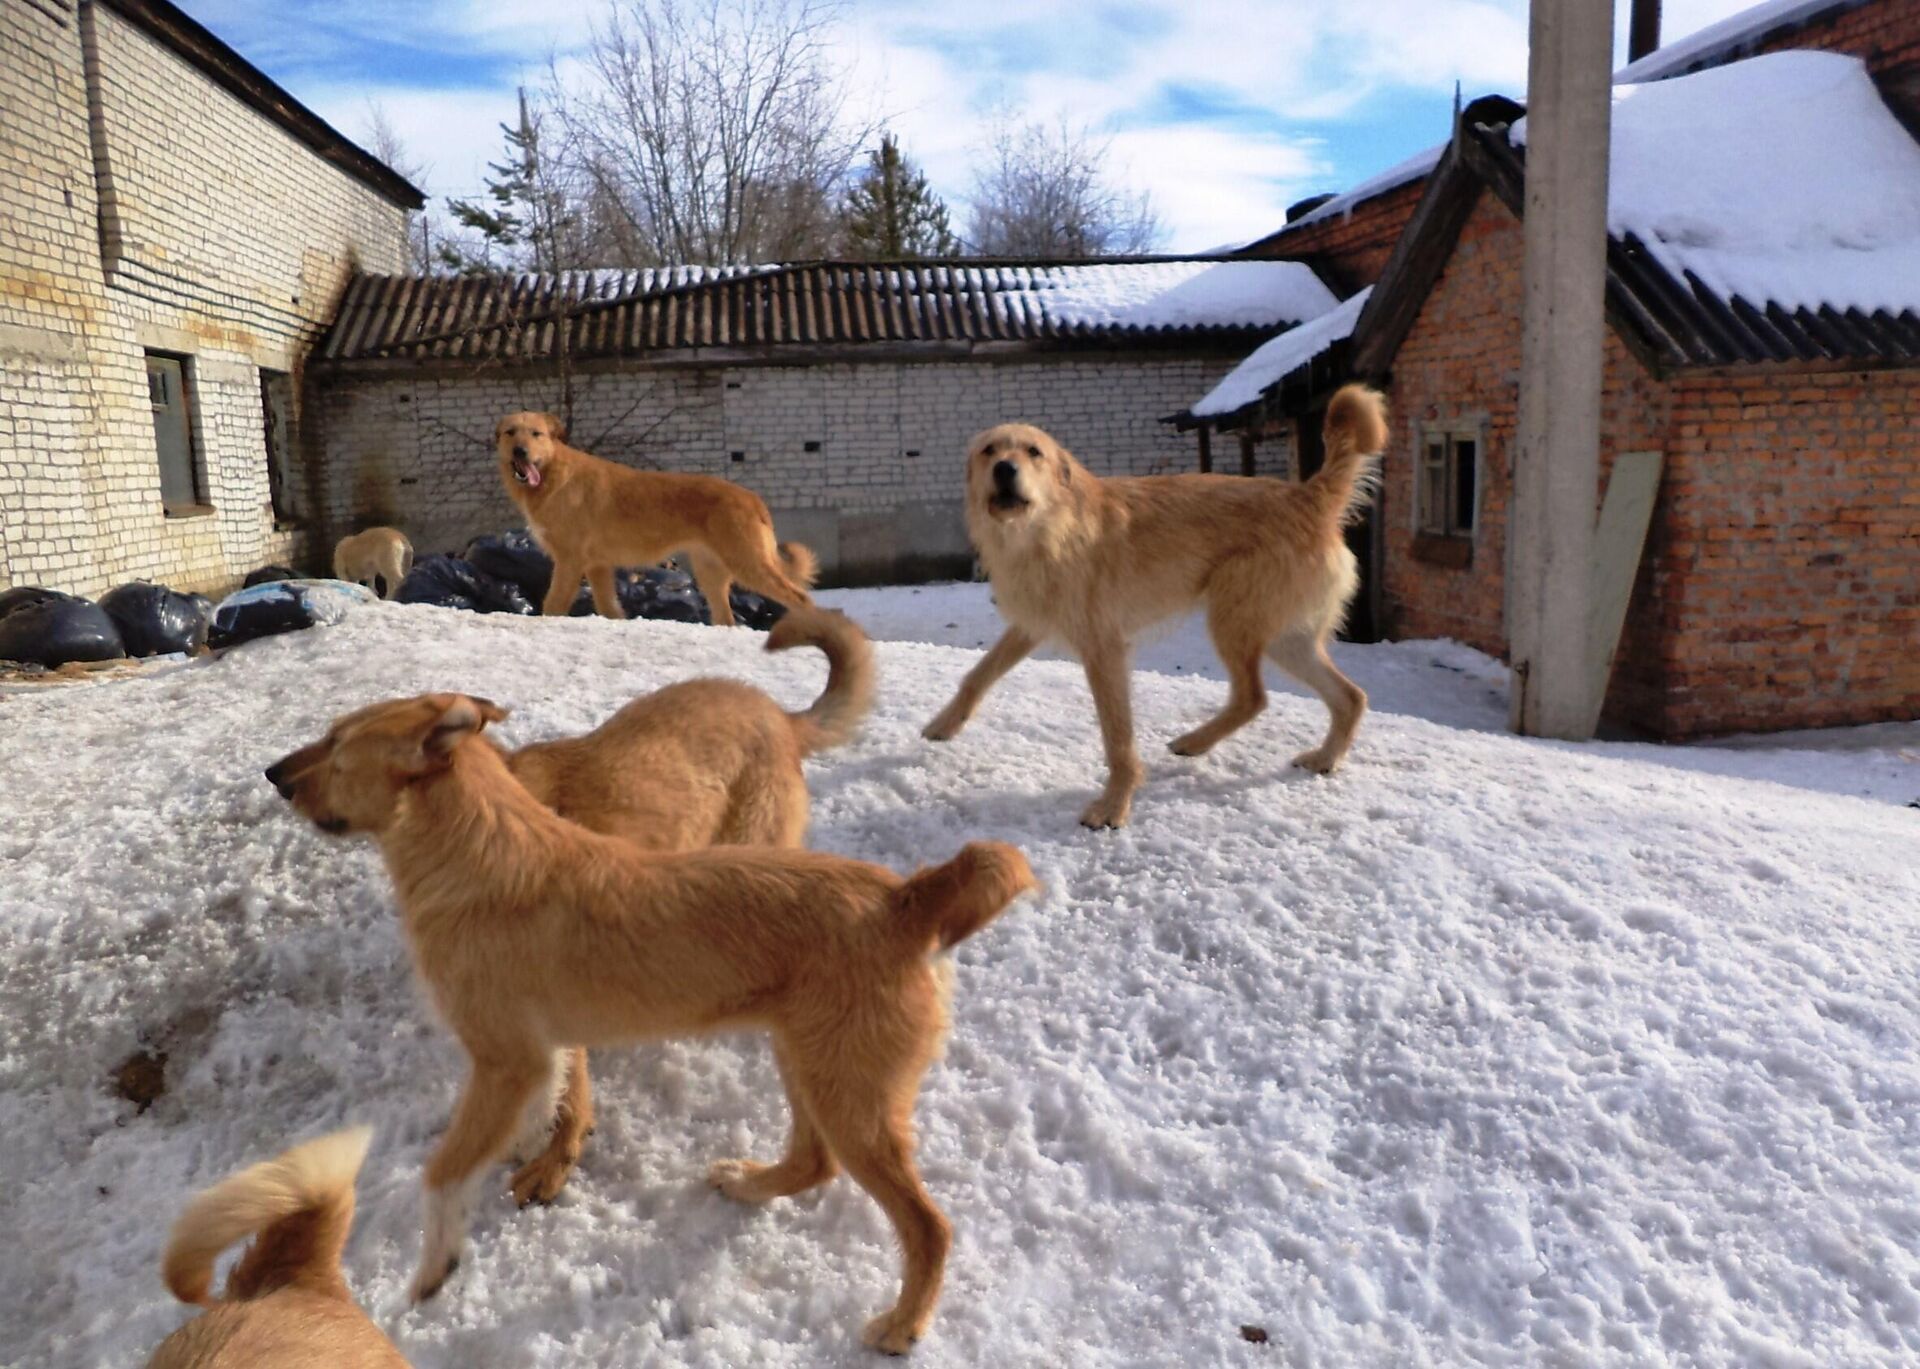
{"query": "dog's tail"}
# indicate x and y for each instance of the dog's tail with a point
(801, 565)
(1355, 434)
(849, 692)
(945, 904)
(301, 1206)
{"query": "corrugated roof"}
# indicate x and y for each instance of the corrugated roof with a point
(626, 313)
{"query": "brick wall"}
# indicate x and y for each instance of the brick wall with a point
(156, 211)
(879, 496)
(1351, 248)
(1781, 582)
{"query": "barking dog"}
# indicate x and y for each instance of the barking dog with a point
(378, 552)
(286, 1302)
(593, 516)
(532, 933)
(700, 763)
(1092, 562)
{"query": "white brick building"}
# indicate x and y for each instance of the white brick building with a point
(842, 393)
(174, 234)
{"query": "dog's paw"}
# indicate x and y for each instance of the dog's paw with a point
(943, 728)
(891, 1334)
(541, 1178)
(430, 1278)
(744, 1181)
(1107, 811)
(1317, 761)
(1195, 743)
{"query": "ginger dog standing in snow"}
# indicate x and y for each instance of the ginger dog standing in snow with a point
(532, 933)
(593, 516)
(383, 553)
(1092, 562)
(286, 1302)
(700, 763)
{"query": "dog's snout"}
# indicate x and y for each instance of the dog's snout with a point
(276, 776)
(1005, 473)
(520, 449)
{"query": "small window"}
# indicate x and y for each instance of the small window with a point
(170, 395)
(286, 485)
(1445, 493)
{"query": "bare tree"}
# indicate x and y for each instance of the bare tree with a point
(1044, 192)
(717, 131)
(384, 141)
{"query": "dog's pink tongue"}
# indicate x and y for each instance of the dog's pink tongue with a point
(533, 475)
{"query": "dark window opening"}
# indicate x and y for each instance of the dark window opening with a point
(170, 396)
(1444, 485)
(286, 486)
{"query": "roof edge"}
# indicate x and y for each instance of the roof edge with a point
(196, 45)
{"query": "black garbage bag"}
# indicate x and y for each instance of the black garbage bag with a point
(662, 593)
(154, 620)
(45, 627)
(277, 606)
(450, 582)
(266, 575)
(516, 557)
(755, 610)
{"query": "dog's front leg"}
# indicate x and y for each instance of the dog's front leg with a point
(561, 592)
(1013, 647)
(489, 1111)
(606, 592)
(1110, 678)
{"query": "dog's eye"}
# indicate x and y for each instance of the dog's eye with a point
(1033, 452)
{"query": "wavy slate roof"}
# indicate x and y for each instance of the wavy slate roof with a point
(631, 313)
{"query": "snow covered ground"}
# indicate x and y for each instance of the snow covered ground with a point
(1441, 681)
(1482, 1051)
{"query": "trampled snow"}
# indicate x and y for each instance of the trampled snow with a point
(1479, 1051)
(1783, 179)
(1280, 355)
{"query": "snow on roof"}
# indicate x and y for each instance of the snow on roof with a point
(1278, 356)
(1783, 179)
(1717, 40)
(1412, 169)
(1170, 294)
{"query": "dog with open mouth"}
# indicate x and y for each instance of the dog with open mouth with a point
(531, 933)
(1093, 562)
(704, 762)
(594, 516)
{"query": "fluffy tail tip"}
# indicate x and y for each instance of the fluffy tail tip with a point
(802, 564)
(1360, 413)
(312, 1175)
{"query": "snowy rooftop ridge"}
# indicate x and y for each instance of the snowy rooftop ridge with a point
(1280, 356)
(1412, 169)
(1783, 179)
(1725, 38)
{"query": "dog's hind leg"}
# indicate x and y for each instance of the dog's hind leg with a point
(541, 1178)
(867, 1123)
(1109, 678)
(489, 1110)
(606, 593)
(1237, 636)
(710, 573)
(1013, 647)
(1305, 658)
(807, 1163)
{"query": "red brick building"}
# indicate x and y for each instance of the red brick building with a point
(1780, 584)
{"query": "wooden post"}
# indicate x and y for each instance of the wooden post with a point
(1206, 448)
(1643, 33)
(1556, 464)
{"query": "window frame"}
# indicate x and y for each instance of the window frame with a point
(286, 500)
(200, 502)
(1443, 538)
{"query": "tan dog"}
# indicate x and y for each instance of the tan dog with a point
(383, 552)
(286, 1302)
(1092, 562)
(532, 933)
(593, 516)
(700, 763)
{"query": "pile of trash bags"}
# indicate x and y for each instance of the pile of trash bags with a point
(48, 628)
(271, 607)
(507, 572)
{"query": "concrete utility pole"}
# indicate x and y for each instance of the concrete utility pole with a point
(1556, 475)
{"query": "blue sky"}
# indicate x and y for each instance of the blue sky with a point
(1226, 112)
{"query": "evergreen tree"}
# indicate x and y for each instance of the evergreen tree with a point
(891, 212)
(525, 218)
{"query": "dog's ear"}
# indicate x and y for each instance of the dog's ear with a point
(460, 716)
(559, 428)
